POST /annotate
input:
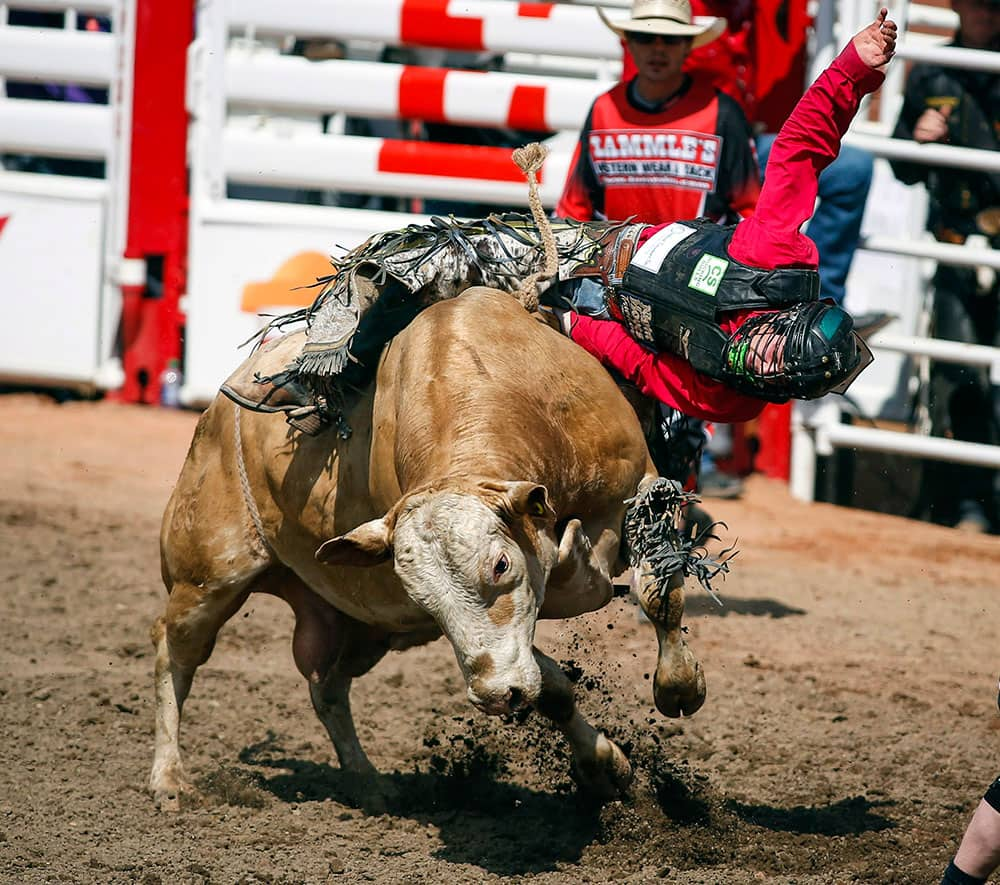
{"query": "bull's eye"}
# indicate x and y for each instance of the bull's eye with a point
(501, 567)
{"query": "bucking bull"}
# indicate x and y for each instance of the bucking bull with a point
(487, 484)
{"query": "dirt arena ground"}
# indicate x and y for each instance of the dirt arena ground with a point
(850, 729)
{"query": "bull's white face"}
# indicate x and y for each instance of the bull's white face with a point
(476, 560)
(461, 562)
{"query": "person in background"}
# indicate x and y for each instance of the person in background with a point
(979, 851)
(835, 226)
(960, 107)
(661, 146)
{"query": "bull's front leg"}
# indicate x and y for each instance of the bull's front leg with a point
(601, 767)
(679, 684)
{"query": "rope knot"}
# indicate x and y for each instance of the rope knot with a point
(529, 160)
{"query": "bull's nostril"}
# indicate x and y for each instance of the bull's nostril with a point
(515, 699)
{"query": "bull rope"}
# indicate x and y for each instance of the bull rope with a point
(529, 160)
(262, 547)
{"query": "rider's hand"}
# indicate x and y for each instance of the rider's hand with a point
(558, 318)
(877, 43)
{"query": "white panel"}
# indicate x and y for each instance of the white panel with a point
(50, 276)
(227, 255)
(63, 187)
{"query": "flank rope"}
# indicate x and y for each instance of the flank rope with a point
(262, 546)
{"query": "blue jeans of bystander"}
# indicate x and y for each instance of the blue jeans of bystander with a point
(836, 225)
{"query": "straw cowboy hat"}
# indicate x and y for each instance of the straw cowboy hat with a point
(669, 18)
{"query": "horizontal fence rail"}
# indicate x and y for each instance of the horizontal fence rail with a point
(435, 95)
(928, 154)
(386, 166)
(816, 427)
(55, 129)
(946, 253)
(830, 436)
(64, 187)
(95, 7)
(956, 352)
(475, 25)
(921, 16)
(950, 56)
(43, 55)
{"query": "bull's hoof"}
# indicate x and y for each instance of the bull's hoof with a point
(679, 691)
(606, 773)
(170, 796)
(372, 793)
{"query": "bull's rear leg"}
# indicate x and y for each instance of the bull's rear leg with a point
(330, 650)
(601, 767)
(183, 639)
(679, 683)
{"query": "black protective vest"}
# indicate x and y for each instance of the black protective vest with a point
(679, 281)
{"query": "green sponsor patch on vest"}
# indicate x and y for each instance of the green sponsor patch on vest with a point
(707, 274)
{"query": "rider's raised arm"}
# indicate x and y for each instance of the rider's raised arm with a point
(808, 142)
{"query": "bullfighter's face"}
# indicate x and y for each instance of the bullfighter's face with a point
(659, 61)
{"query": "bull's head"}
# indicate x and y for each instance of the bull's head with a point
(476, 557)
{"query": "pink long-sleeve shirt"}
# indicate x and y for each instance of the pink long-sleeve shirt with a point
(808, 142)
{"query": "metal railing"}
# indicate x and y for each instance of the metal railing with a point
(817, 429)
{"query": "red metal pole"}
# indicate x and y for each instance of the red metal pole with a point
(152, 323)
(774, 436)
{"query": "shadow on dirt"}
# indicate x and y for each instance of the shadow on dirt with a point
(848, 817)
(700, 604)
(501, 827)
(673, 814)
(697, 603)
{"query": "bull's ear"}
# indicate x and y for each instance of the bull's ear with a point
(530, 499)
(367, 545)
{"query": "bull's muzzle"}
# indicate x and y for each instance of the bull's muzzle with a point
(500, 703)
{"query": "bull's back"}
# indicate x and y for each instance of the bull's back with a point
(477, 385)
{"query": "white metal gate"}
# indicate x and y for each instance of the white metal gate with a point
(58, 232)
